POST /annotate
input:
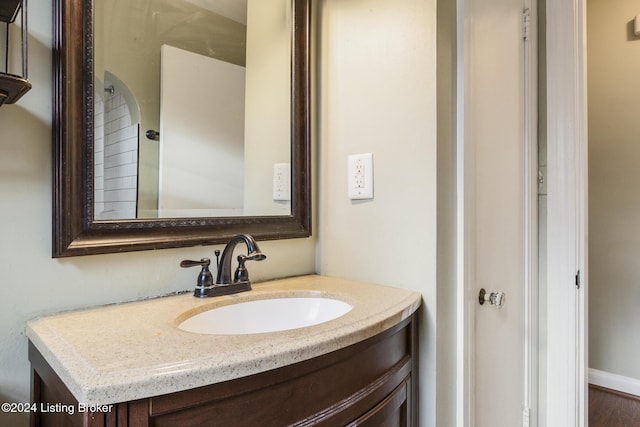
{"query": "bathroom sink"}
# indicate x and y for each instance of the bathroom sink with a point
(265, 315)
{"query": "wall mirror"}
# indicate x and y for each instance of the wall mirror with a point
(179, 123)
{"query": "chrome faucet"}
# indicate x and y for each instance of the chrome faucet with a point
(224, 284)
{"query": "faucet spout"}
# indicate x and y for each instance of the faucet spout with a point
(224, 268)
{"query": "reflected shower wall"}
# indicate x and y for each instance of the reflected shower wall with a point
(117, 123)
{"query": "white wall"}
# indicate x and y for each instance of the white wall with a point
(377, 94)
(268, 107)
(33, 283)
(614, 201)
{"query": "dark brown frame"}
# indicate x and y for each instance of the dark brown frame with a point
(74, 230)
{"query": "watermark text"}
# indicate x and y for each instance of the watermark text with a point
(58, 408)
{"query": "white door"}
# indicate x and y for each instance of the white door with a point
(201, 136)
(498, 183)
(502, 376)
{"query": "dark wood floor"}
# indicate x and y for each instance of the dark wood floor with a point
(609, 408)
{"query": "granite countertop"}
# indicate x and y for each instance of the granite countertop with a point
(134, 350)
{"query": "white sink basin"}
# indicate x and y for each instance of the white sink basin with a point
(266, 315)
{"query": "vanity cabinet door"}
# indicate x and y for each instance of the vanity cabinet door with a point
(330, 390)
(393, 411)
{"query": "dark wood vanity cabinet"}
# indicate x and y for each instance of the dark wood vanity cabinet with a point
(370, 383)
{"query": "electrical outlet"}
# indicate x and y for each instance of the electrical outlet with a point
(360, 176)
(282, 181)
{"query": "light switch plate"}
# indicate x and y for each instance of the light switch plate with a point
(360, 174)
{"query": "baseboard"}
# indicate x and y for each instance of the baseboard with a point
(614, 382)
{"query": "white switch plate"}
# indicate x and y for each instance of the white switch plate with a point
(282, 181)
(361, 176)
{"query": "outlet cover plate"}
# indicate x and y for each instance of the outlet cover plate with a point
(360, 173)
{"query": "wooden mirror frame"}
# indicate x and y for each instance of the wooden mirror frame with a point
(75, 232)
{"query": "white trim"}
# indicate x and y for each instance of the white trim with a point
(531, 318)
(614, 382)
(583, 218)
(465, 244)
(465, 399)
(566, 351)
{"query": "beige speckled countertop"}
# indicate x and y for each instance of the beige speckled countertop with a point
(134, 350)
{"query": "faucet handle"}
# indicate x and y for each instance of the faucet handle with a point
(242, 274)
(205, 278)
(186, 263)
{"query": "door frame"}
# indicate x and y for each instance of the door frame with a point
(555, 396)
(566, 303)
